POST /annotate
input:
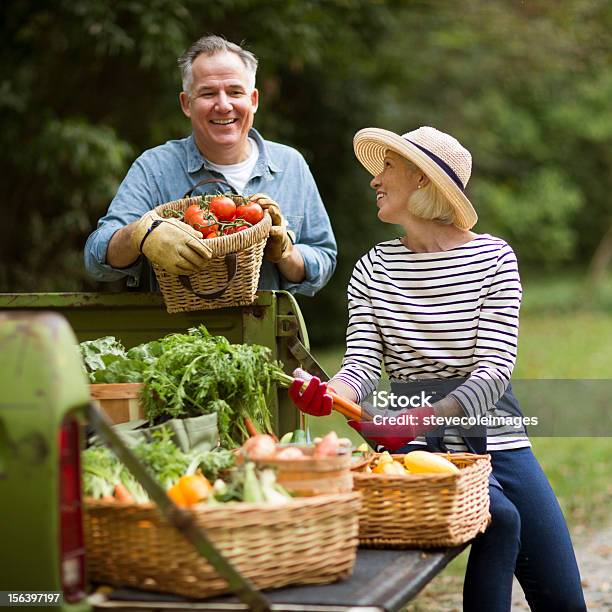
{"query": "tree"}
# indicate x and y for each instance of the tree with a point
(525, 86)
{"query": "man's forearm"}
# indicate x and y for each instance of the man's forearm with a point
(120, 252)
(293, 268)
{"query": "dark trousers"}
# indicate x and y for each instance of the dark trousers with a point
(528, 537)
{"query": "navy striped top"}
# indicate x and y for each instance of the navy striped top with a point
(449, 314)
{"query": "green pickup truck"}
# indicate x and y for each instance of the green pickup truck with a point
(44, 398)
(44, 393)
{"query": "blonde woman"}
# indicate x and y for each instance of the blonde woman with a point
(439, 308)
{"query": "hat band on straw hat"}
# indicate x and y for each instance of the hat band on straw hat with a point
(451, 173)
(439, 156)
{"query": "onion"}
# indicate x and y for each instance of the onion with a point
(261, 446)
(290, 453)
(328, 447)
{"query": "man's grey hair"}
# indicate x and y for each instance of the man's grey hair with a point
(211, 45)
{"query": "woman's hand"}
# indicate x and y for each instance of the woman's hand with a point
(314, 400)
(394, 436)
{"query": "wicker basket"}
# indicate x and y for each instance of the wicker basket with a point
(307, 477)
(230, 278)
(306, 541)
(425, 510)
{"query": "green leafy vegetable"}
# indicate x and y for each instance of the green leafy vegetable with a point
(162, 458)
(100, 470)
(248, 484)
(107, 361)
(198, 373)
(216, 462)
(97, 354)
(189, 374)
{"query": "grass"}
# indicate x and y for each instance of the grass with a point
(558, 345)
(569, 293)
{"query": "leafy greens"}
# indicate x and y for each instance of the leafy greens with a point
(189, 374)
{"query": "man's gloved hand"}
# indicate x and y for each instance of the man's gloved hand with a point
(279, 245)
(171, 244)
(314, 399)
(394, 437)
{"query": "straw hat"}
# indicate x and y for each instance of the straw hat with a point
(441, 157)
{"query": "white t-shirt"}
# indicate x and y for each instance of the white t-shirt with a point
(237, 175)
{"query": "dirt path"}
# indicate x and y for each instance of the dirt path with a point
(594, 554)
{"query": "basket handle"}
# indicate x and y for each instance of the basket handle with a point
(204, 182)
(231, 263)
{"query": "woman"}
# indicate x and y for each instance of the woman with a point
(439, 307)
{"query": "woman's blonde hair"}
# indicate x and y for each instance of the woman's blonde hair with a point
(429, 203)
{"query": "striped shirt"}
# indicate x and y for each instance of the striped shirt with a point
(449, 314)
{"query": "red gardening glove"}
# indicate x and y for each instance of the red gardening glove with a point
(314, 399)
(394, 437)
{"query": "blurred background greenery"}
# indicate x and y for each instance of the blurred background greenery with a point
(88, 85)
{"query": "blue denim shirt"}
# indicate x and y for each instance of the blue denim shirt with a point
(168, 171)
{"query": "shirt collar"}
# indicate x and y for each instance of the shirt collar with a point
(264, 166)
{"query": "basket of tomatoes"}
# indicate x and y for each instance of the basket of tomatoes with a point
(236, 231)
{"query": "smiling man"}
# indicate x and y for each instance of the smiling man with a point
(220, 99)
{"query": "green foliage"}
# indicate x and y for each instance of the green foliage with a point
(187, 375)
(525, 86)
(197, 373)
(544, 199)
(106, 360)
(162, 458)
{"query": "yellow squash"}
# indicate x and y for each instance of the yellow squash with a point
(423, 462)
(387, 465)
(385, 457)
(393, 468)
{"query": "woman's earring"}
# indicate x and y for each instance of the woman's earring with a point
(418, 186)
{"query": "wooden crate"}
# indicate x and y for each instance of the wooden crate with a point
(119, 401)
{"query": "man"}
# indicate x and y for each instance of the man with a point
(220, 99)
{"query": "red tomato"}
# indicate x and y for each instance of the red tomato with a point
(213, 234)
(204, 222)
(232, 229)
(191, 211)
(251, 212)
(223, 208)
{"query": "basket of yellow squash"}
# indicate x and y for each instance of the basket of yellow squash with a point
(423, 499)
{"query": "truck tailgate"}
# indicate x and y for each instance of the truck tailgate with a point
(383, 580)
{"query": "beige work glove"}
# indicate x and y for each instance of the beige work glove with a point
(171, 244)
(279, 244)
